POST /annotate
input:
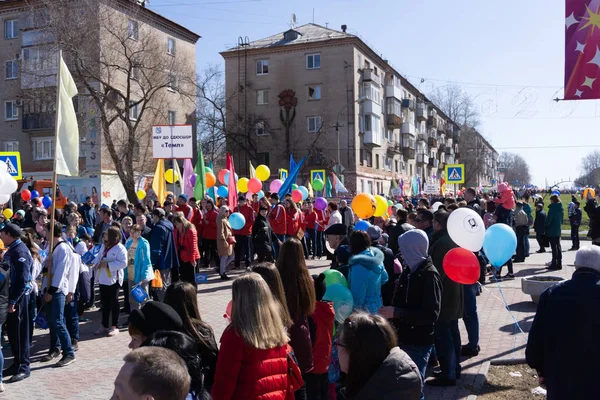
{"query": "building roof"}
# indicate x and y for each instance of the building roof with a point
(308, 33)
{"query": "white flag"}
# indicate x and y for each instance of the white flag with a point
(67, 138)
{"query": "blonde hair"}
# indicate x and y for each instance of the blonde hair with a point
(255, 314)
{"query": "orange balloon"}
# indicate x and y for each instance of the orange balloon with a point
(364, 205)
(211, 180)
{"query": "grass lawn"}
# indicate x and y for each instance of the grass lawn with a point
(566, 199)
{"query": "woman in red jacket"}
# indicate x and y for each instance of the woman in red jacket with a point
(209, 235)
(294, 218)
(252, 361)
(186, 240)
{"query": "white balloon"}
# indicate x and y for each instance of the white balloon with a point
(466, 229)
(4, 198)
(9, 184)
(435, 206)
(3, 167)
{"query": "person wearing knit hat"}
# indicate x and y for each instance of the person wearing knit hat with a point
(154, 316)
(387, 289)
(416, 306)
(566, 332)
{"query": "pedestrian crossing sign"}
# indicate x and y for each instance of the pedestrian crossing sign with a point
(455, 173)
(13, 163)
(283, 174)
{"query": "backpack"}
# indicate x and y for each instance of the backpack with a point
(521, 218)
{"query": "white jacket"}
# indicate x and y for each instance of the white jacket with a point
(117, 262)
(334, 218)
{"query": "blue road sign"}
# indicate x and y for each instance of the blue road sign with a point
(13, 163)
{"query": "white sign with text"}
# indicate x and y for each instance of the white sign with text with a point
(172, 141)
(431, 188)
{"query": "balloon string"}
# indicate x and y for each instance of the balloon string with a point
(503, 300)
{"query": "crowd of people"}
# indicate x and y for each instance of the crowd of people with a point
(283, 341)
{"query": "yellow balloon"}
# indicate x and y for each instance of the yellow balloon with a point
(263, 172)
(171, 176)
(242, 185)
(141, 194)
(590, 190)
(8, 213)
(381, 206)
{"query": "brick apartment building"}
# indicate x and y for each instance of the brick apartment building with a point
(27, 100)
(350, 111)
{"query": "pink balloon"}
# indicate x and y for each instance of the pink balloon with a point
(275, 185)
(222, 174)
(254, 185)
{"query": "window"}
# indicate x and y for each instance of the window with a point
(262, 97)
(171, 118)
(390, 136)
(362, 186)
(132, 30)
(394, 106)
(369, 159)
(313, 61)
(172, 85)
(43, 149)
(12, 69)
(314, 92)
(11, 112)
(11, 145)
(262, 67)
(171, 46)
(35, 59)
(388, 164)
(360, 66)
(396, 166)
(314, 124)
(260, 129)
(377, 161)
(372, 92)
(370, 187)
(11, 29)
(367, 64)
(362, 156)
(361, 123)
(263, 158)
(133, 110)
(411, 169)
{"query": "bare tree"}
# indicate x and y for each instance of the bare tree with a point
(515, 168)
(457, 105)
(590, 170)
(125, 73)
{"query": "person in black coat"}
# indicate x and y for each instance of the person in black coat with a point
(401, 227)
(263, 236)
(593, 211)
(539, 226)
(4, 285)
(566, 332)
(387, 289)
(575, 221)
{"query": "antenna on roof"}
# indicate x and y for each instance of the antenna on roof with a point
(293, 21)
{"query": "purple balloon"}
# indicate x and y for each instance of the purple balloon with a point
(320, 203)
(193, 179)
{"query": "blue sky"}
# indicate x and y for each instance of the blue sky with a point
(507, 54)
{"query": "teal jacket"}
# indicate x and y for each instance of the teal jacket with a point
(141, 262)
(554, 219)
(365, 277)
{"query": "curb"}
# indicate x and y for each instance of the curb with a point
(509, 361)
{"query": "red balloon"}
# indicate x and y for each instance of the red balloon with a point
(296, 195)
(461, 266)
(254, 185)
(25, 194)
(222, 174)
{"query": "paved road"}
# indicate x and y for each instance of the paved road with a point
(99, 359)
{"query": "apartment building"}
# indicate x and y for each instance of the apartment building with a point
(480, 159)
(28, 88)
(326, 94)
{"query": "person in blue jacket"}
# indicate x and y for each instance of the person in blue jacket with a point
(139, 267)
(20, 261)
(366, 273)
(162, 251)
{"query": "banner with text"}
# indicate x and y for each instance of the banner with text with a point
(172, 141)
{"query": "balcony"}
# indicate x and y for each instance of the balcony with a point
(393, 91)
(370, 75)
(38, 122)
(372, 139)
(442, 141)
(432, 142)
(408, 129)
(421, 112)
(422, 137)
(434, 162)
(441, 127)
(408, 142)
(408, 154)
(408, 103)
(457, 155)
(441, 165)
(449, 151)
(394, 148)
(432, 121)
(449, 159)
(371, 107)
(422, 159)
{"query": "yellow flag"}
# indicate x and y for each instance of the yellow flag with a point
(252, 170)
(310, 190)
(67, 131)
(159, 185)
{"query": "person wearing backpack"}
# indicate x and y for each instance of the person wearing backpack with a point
(521, 226)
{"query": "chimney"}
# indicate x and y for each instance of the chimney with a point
(344, 27)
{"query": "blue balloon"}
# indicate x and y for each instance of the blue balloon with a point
(222, 191)
(556, 192)
(237, 221)
(227, 177)
(47, 201)
(499, 244)
(362, 225)
(342, 299)
(34, 194)
(261, 194)
(304, 192)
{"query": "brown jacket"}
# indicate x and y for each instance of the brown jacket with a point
(223, 232)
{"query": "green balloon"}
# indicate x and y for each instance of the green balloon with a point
(390, 203)
(318, 184)
(294, 186)
(333, 276)
(207, 169)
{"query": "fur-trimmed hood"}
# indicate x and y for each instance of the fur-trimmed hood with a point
(372, 259)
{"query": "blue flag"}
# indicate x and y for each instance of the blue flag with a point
(292, 163)
(291, 179)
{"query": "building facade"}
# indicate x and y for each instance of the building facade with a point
(325, 94)
(480, 159)
(28, 88)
